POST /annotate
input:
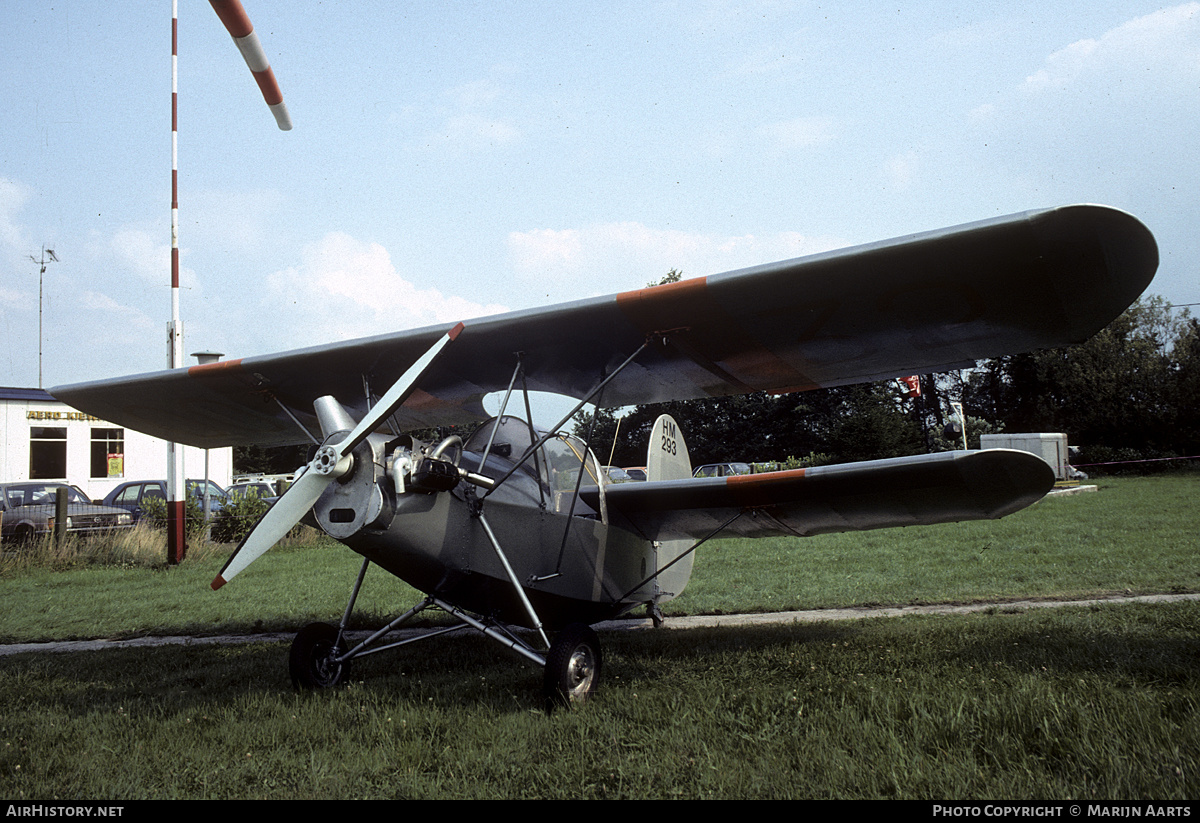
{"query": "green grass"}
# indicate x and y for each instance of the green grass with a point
(1072, 703)
(1078, 703)
(1136, 535)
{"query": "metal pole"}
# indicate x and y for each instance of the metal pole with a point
(41, 275)
(176, 541)
(234, 18)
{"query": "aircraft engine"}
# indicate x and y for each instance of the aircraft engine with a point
(357, 499)
(344, 472)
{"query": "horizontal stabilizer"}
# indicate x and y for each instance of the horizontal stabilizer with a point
(903, 491)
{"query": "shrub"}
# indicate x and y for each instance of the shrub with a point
(238, 517)
(193, 516)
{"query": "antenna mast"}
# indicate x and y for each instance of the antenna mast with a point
(41, 275)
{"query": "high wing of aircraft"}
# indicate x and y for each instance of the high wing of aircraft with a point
(515, 527)
(925, 303)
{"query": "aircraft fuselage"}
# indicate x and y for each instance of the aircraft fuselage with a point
(572, 566)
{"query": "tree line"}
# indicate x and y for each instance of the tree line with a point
(1130, 393)
(1127, 398)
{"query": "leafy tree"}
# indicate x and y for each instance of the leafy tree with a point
(269, 459)
(1186, 394)
(1134, 385)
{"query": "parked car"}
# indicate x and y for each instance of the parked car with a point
(277, 482)
(258, 488)
(636, 472)
(28, 510)
(132, 495)
(722, 469)
(617, 474)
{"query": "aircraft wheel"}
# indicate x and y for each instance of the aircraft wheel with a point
(311, 659)
(572, 667)
(654, 612)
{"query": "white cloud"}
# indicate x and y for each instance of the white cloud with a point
(147, 255)
(471, 122)
(15, 251)
(542, 249)
(610, 257)
(799, 132)
(346, 288)
(1143, 60)
(476, 93)
(12, 199)
(22, 299)
(116, 323)
(237, 219)
(902, 170)
(1167, 41)
(1103, 116)
(474, 131)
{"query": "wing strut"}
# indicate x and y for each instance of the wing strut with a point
(512, 576)
(299, 425)
(532, 452)
(487, 450)
(684, 554)
(519, 371)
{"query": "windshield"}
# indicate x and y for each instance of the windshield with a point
(557, 461)
(195, 488)
(564, 455)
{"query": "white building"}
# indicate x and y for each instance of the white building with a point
(45, 439)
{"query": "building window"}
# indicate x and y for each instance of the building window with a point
(47, 453)
(108, 453)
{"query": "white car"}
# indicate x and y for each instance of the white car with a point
(722, 469)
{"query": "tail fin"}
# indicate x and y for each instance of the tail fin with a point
(667, 459)
(667, 455)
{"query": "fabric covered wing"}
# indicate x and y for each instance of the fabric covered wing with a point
(903, 491)
(916, 304)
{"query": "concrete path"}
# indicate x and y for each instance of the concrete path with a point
(726, 620)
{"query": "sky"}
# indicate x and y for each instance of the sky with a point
(457, 159)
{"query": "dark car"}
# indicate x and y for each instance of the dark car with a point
(28, 510)
(132, 495)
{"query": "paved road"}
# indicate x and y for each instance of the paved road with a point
(813, 616)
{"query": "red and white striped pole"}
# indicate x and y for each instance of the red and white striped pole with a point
(237, 23)
(176, 543)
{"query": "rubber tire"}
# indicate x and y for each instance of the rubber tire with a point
(573, 667)
(309, 658)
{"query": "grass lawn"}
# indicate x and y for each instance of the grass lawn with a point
(1136, 535)
(1076, 703)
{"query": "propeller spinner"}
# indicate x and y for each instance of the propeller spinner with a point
(332, 460)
